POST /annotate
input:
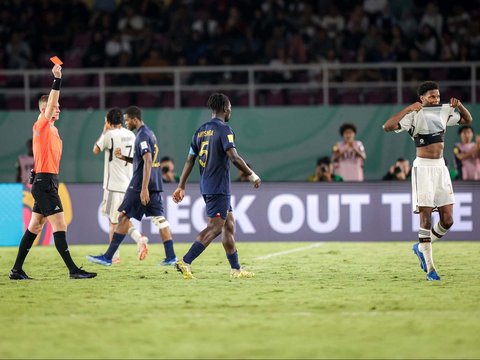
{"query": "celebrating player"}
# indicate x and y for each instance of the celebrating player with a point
(214, 145)
(143, 196)
(426, 122)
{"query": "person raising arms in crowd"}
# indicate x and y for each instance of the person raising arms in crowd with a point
(467, 154)
(348, 155)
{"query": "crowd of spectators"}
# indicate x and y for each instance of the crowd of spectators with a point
(158, 33)
(102, 33)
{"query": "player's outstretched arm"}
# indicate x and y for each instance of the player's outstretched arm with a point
(54, 93)
(392, 123)
(466, 117)
(243, 167)
(179, 192)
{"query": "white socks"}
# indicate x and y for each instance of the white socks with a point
(426, 249)
(134, 234)
(437, 232)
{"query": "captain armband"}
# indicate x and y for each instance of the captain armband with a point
(56, 83)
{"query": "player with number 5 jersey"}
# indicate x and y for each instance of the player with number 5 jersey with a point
(214, 146)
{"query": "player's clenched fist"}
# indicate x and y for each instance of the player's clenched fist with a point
(455, 102)
(57, 71)
(415, 107)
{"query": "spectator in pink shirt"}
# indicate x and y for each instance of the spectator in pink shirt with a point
(349, 155)
(467, 155)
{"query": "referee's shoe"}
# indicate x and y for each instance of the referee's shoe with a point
(18, 275)
(82, 274)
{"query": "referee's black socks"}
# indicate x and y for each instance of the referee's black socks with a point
(60, 239)
(25, 246)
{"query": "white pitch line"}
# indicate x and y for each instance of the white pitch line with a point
(286, 252)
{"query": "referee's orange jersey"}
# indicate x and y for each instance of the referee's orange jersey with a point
(47, 147)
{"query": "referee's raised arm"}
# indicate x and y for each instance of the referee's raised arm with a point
(55, 92)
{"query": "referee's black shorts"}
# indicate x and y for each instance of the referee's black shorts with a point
(45, 193)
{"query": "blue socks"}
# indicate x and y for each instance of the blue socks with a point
(233, 260)
(195, 250)
(116, 241)
(169, 252)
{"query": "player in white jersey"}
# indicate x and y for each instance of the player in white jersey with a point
(117, 174)
(426, 122)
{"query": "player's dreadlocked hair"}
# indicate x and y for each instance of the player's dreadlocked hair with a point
(426, 86)
(218, 102)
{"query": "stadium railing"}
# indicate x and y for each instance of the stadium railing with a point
(255, 85)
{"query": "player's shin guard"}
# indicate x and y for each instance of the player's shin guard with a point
(425, 246)
(438, 231)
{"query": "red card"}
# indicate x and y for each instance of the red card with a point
(56, 60)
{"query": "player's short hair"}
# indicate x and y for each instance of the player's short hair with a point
(347, 126)
(43, 99)
(114, 116)
(217, 102)
(134, 112)
(463, 128)
(427, 86)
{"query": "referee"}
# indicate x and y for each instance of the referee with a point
(47, 151)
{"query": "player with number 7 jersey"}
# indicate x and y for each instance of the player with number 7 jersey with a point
(143, 195)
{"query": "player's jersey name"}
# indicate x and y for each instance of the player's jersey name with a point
(205, 133)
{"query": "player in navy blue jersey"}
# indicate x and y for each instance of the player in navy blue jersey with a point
(143, 196)
(214, 146)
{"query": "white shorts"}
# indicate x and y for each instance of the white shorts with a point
(110, 204)
(431, 184)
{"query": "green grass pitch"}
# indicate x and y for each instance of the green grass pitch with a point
(337, 300)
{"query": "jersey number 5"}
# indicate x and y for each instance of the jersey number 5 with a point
(203, 154)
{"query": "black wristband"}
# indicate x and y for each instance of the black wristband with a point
(56, 83)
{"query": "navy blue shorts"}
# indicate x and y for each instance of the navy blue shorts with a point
(133, 208)
(217, 205)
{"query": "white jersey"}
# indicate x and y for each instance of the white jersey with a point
(428, 125)
(117, 173)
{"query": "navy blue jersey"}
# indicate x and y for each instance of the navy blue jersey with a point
(146, 142)
(210, 143)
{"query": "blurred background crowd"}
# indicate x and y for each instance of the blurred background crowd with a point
(102, 33)
(160, 33)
